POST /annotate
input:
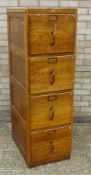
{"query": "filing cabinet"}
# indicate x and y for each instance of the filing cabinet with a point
(42, 57)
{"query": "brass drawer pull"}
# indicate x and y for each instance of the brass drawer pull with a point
(53, 19)
(52, 77)
(52, 43)
(51, 147)
(51, 117)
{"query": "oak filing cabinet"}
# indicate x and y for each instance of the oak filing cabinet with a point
(42, 69)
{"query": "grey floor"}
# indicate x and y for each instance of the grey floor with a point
(12, 163)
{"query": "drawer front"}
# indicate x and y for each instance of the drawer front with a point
(51, 74)
(52, 33)
(50, 144)
(51, 110)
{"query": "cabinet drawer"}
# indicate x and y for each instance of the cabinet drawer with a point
(50, 144)
(53, 33)
(51, 74)
(51, 110)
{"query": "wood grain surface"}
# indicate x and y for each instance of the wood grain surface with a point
(50, 144)
(51, 33)
(51, 110)
(54, 75)
(42, 51)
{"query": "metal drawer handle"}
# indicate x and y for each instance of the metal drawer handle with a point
(51, 117)
(52, 77)
(51, 147)
(52, 43)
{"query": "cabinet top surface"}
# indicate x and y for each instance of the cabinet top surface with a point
(44, 10)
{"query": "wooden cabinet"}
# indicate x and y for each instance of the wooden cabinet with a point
(42, 71)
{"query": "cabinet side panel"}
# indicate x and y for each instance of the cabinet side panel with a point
(19, 78)
(17, 49)
(19, 133)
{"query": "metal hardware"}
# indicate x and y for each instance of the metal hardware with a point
(53, 18)
(52, 97)
(53, 33)
(52, 77)
(52, 60)
(51, 117)
(51, 147)
(52, 43)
